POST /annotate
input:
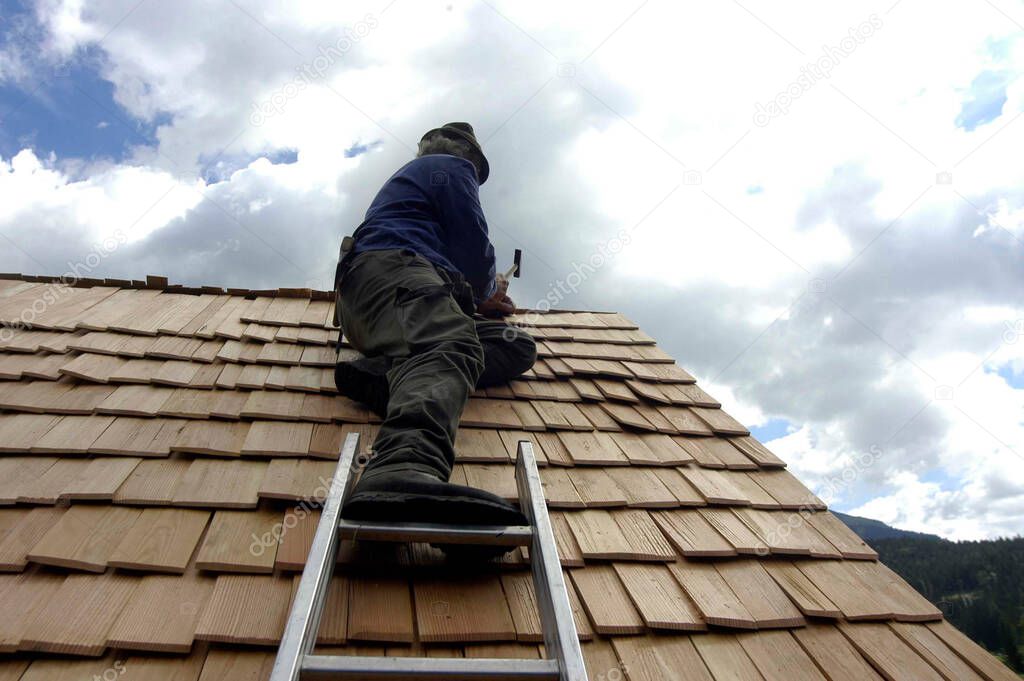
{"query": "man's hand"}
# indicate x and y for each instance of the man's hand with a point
(499, 304)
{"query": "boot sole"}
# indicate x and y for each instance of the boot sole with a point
(425, 508)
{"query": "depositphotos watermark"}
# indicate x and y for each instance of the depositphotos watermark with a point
(581, 271)
(312, 71)
(815, 71)
(55, 292)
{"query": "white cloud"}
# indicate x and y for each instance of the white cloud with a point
(838, 298)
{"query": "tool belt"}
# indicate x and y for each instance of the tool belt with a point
(456, 284)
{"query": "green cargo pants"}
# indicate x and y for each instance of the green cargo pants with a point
(396, 304)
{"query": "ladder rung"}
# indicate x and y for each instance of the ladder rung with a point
(460, 668)
(497, 535)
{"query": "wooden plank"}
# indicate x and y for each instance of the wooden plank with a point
(297, 530)
(152, 482)
(725, 657)
(297, 480)
(720, 422)
(76, 619)
(848, 590)
(977, 657)
(275, 438)
(23, 530)
(723, 451)
(658, 597)
(129, 436)
(100, 479)
(213, 438)
(627, 415)
(45, 488)
(839, 535)
(834, 654)
(19, 471)
(90, 367)
(522, 605)
(380, 609)
(593, 448)
(778, 656)
(175, 373)
(652, 658)
(642, 487)
(569, 552)
(334, 621)
(712, 595)
(134, 400)
(714, 486)
(24, 596)
(559, 491)
(160, 540)
(801, 590)
(231, 543)
(684, 420)
(84, 538)
(598, 417)
(597, 535)
(752, 491)
(137, 371)
(786, 489)
(72, 435)
(764, 600)
(887, 652)
(907, 604)
(596, 488)
(646, 541)
(758, 452)
(683, 491)
(497, 479)
(934, 651)
(273, 405)
(735, 531)
(220, 484)
(162, 614)
(606, 601)
(479, 445)
(237, 665)
(246, 609)
(691, 534)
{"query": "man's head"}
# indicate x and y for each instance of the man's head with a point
(456, 139)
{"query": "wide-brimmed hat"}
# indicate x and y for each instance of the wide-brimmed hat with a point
(463, 131)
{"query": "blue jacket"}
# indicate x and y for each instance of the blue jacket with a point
(432, 206)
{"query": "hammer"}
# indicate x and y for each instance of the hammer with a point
(516, 262)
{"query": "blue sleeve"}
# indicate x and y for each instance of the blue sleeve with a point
(470, 249)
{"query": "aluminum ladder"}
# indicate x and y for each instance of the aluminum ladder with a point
(295, 658)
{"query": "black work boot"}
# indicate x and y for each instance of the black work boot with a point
(398, 494)
(364, 380)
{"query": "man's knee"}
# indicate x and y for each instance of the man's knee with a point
(522, 349)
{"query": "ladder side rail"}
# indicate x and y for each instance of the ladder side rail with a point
(304, 616)
(560, 637)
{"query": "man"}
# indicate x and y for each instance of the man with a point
(414, 293)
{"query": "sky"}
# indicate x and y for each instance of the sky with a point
(816, 207)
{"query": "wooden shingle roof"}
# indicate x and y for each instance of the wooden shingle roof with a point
(159, 448)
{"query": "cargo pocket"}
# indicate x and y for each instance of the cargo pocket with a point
(428, 316)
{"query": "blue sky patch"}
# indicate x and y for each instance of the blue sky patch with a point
(66, 109)
(358, 149)
(771, 430)
(1015, 380)
(985, 101)
(220, 168)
